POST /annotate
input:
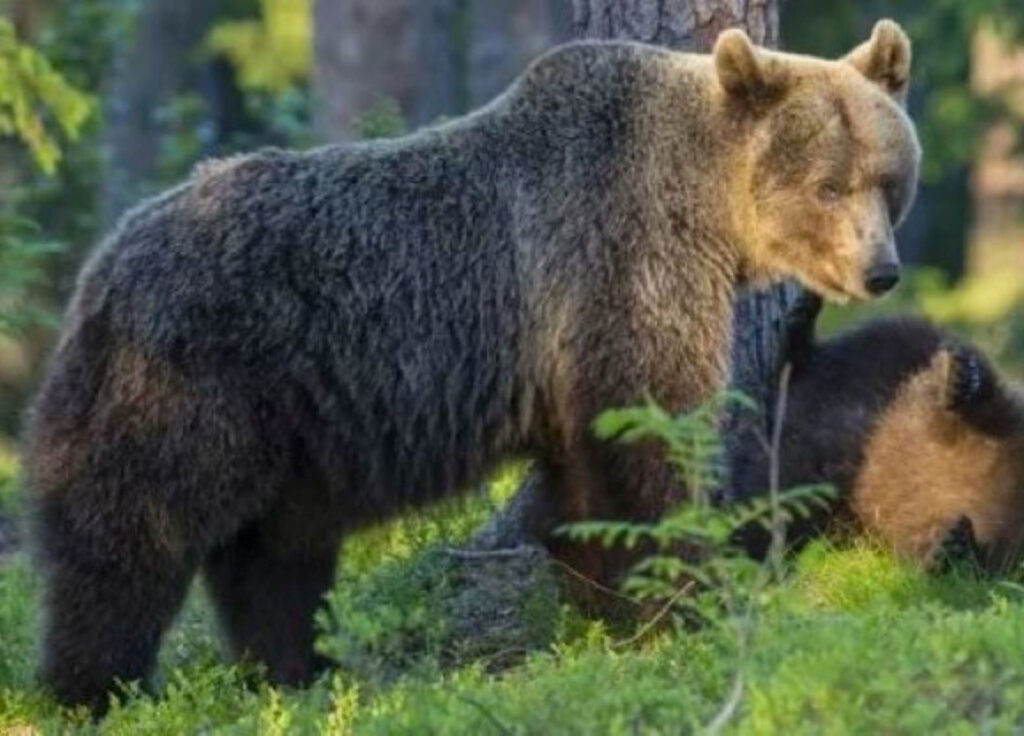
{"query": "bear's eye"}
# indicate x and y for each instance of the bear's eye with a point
(830, 192)
(891, 193)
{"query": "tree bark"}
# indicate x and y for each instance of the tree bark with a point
(368, 51)
(431, 57)
(156, 65)
(505, 35)
(687, 25)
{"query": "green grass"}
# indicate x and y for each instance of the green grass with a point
(10, 501)
(851, 642)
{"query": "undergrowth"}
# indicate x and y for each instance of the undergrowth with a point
(844, 640)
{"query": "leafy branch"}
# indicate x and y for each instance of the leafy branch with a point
(34, 97)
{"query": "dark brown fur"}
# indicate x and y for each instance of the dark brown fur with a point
(921, 438)
(291, 345)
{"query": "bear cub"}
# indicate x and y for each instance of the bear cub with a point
(920, 436)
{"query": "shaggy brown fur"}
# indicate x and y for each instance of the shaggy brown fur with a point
(924, 442)
(951, 445)
(291, 345)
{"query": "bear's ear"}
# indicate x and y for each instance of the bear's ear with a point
(744, 71)
(885, 59)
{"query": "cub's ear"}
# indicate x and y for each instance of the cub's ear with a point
(745, 71)
(885, 59)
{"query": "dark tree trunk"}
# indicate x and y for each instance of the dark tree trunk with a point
(368, 51)
(505, 35)
(689, 25)
(431, 57)
(157, 64)
(27, 16)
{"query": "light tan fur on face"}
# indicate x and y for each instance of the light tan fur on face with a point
(925, 467)
(832, 166)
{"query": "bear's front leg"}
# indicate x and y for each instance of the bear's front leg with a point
(798, 337)
(631, 340)
(957, 545)
(607, 481)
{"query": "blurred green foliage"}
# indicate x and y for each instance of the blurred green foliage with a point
(383, 119)
(22, 254)
(35, 98)
(270, 52)
(951, 117)
(9, 471)
(79, 41)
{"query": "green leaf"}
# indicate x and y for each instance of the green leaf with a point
(35, 97)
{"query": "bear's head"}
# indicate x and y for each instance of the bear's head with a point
(829, 166)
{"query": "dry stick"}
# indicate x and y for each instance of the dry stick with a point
(596, 585)
(778, 533)
(656, 617)
(523, 550)
(491, 718)
(507, 651)
(728, 709)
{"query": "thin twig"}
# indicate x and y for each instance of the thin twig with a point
(522, 550)
(728, 709)
(642, 631)
(596, 585)
(778, 533)
(506, 652)
(746, 623)
(502, 728)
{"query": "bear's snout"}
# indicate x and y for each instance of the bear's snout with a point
(882, 277)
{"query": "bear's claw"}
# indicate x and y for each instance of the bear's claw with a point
(969, 381)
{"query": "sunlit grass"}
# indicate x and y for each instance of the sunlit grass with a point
(450, 522)
(852, 641)
(9, 468)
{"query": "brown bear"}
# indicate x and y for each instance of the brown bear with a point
(923, 441)
(293, 344)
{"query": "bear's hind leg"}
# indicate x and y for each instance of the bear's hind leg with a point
(105, 614)
(976, 394)
(268, 582)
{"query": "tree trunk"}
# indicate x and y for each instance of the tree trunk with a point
(27, 16)
(155, 66)
(688, 25)
(431, 57)
(369, 51)
(505, 35)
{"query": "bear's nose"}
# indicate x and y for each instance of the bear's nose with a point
(882, 277)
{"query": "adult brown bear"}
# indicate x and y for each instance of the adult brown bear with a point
(290, 345)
